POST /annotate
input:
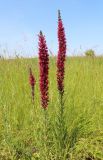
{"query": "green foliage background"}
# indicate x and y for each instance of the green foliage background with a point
(22, 122)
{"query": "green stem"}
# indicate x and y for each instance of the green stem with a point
(63, 139)
(45, 132)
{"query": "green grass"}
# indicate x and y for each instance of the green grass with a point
(22, 122)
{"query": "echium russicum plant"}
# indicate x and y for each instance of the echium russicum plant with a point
(44, 68)
(32, 82)
(61, 55)
(44, 85)
(61, 58)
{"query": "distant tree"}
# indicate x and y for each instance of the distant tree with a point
(90, 53)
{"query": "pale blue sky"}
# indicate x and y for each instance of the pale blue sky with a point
(21, 20)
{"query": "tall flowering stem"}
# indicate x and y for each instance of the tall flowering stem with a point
(61, 55)
(32, 82)
(44, 67)
(62, 130)
(44, 70)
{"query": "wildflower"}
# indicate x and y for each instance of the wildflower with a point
(32, 82)
(43, 65)
(61, 125)
(61, 55)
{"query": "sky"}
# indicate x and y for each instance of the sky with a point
(21, 21)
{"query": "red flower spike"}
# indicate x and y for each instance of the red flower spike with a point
(44, 67)
(32, 82)
(61, 55)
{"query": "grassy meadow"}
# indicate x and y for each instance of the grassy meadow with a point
(22, 122)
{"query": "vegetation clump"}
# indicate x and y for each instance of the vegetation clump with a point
(90, 53)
